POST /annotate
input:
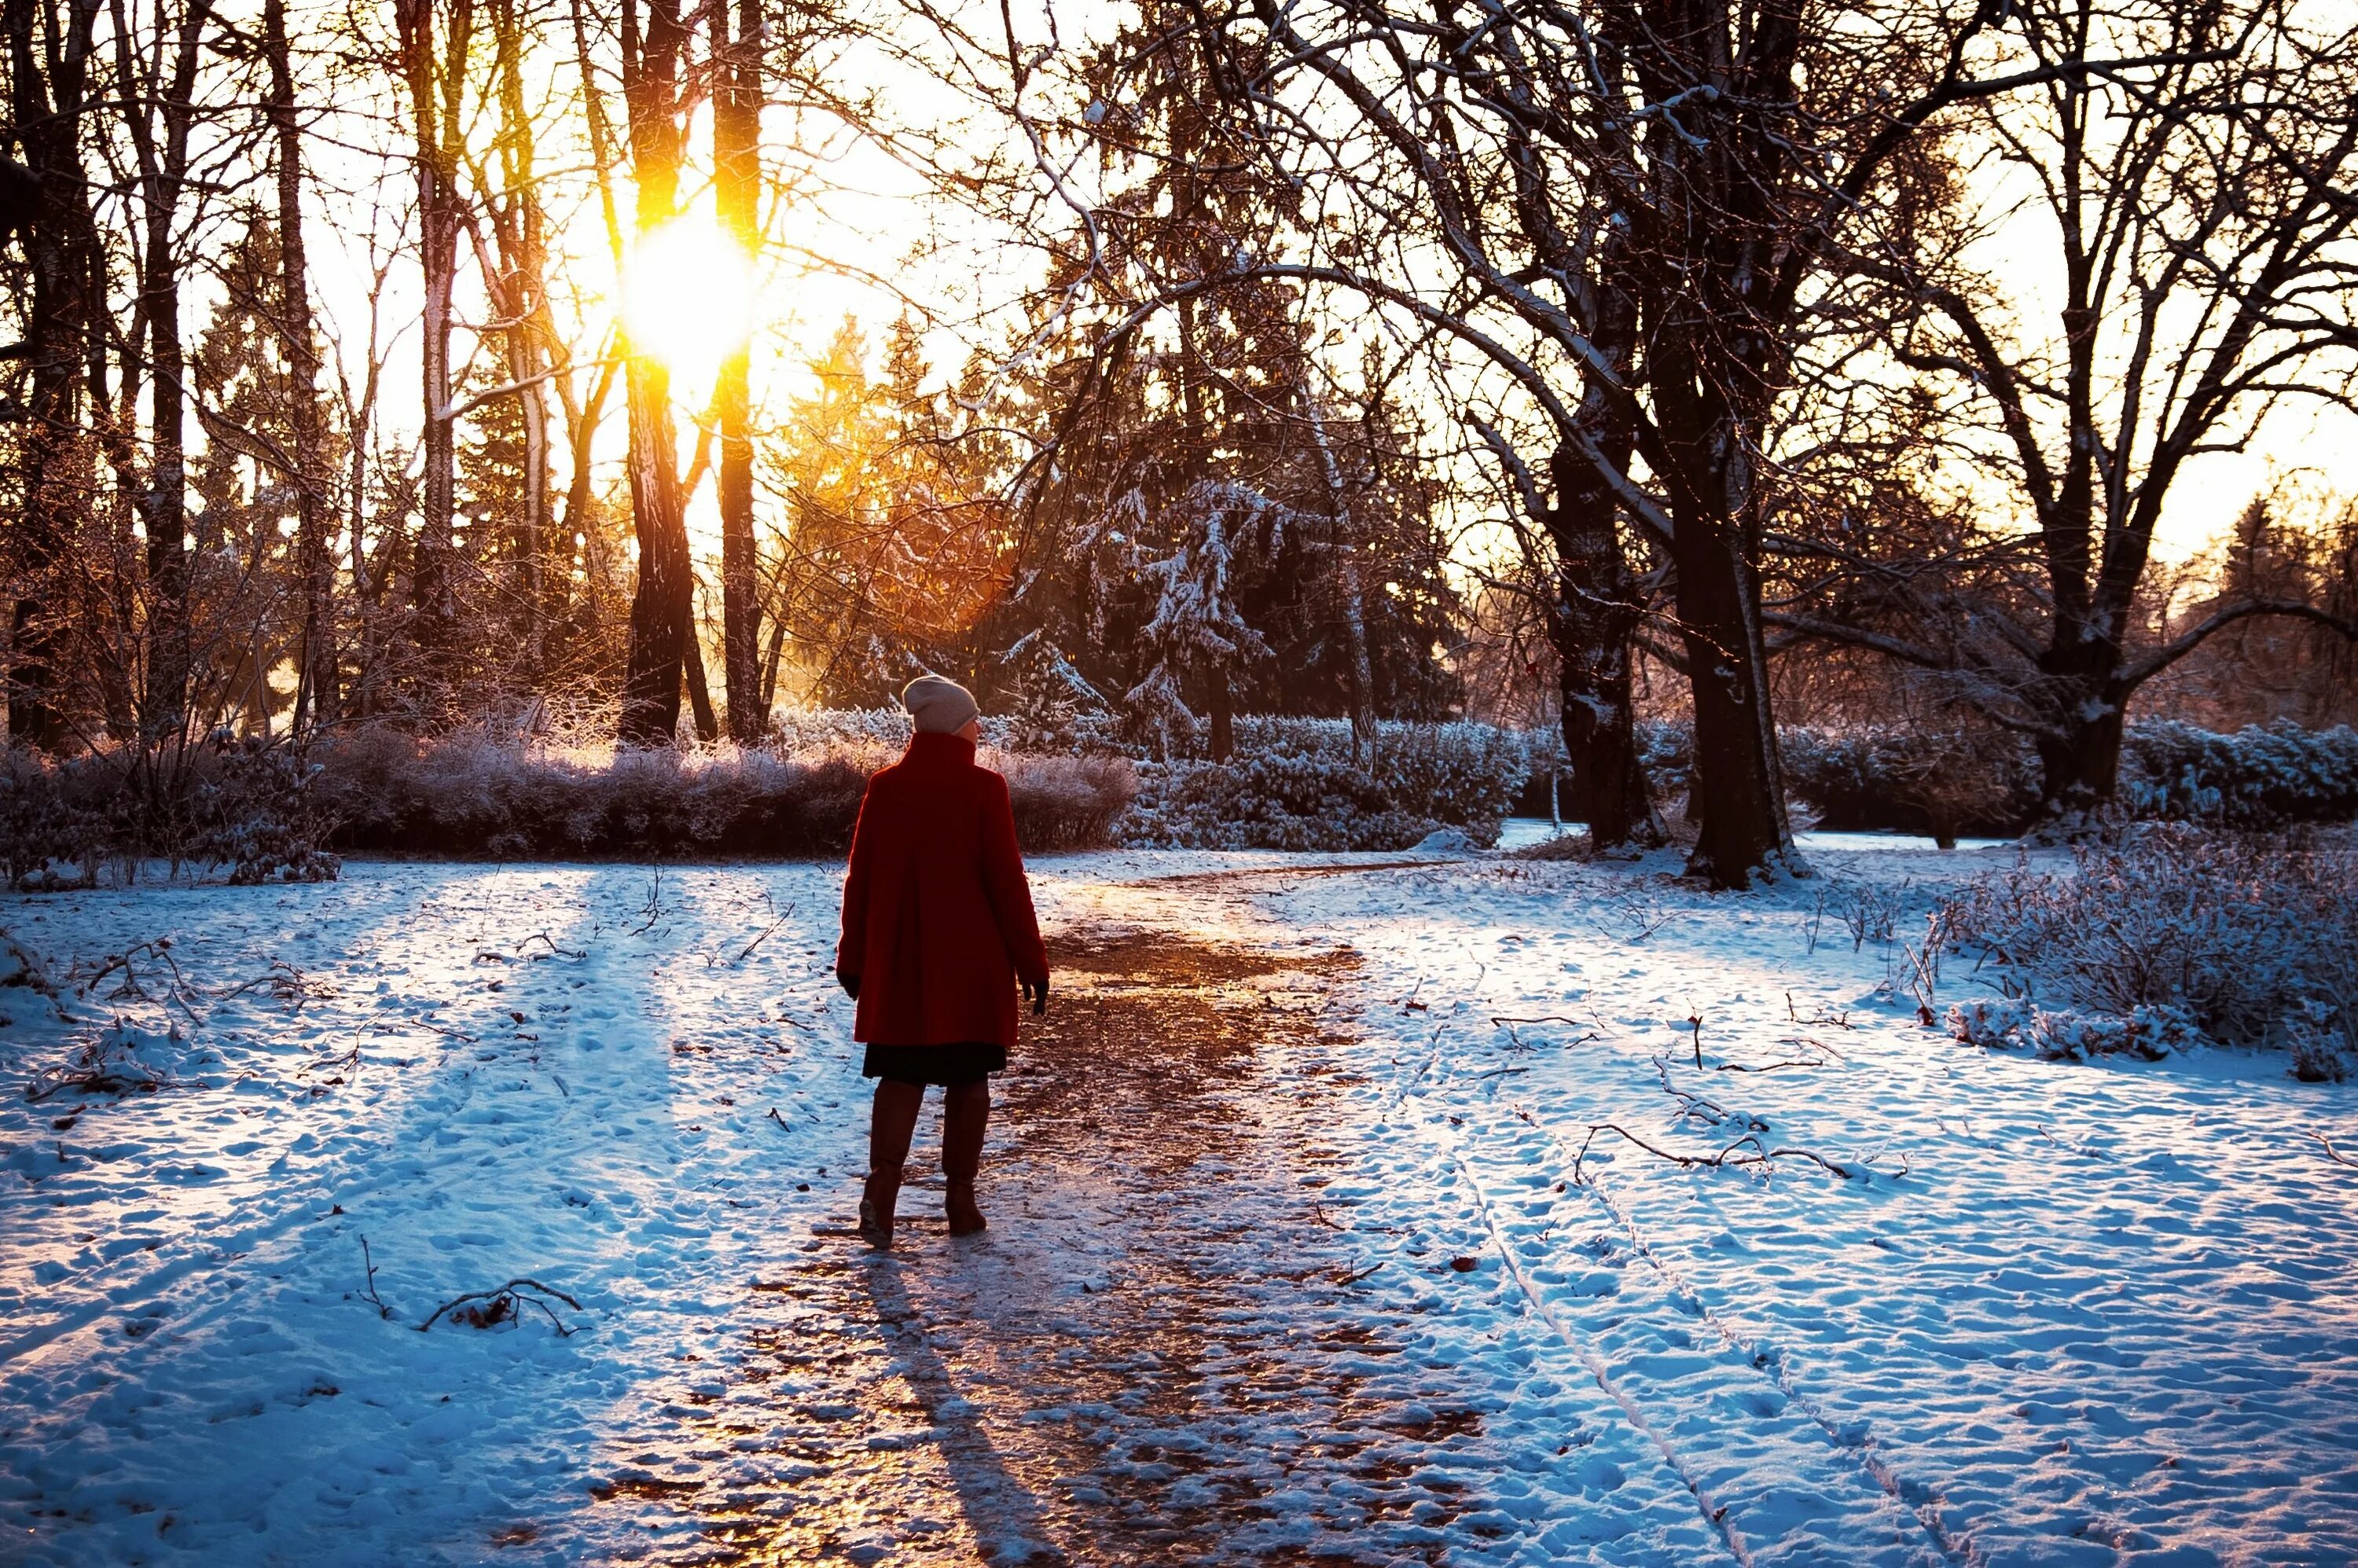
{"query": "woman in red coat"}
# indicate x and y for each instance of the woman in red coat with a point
(937, 928)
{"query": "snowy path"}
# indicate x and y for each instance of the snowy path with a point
(1287, 1261)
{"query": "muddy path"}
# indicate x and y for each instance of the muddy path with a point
(1160, 1353)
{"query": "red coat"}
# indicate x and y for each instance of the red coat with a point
(937, 918)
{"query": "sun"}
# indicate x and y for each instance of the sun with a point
(687, 296)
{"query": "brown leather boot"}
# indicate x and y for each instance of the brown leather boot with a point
(889, 1126)
(965, 1115)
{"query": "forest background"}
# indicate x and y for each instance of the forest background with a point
(1861, 405)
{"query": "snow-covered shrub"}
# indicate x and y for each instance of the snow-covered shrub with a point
(2257, 777)
(52, 814)
(2250, 939)
(1942, 781)
(254, 811)
(479, 795)
(221, 801)
(471, 793)
(1269, 799)
(881, 734)
(2068, 1035)
(1294, 784)
(1066, 802)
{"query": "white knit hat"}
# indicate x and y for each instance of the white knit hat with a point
(938, 705)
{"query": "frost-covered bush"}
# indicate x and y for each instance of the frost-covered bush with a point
(477, 794)
(2252, 939)
(2070, 1034)
(1273, 799)
(1942, 781)
(1066, 802)
(1987, 781)
(2257, 777)
(51, 816)
(247, 805)
(1294, 784)
(471, 793)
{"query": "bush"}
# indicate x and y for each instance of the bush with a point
(250, 804)
(2251, 940)
(1067, 803)
(1294, 784)
(2257, 777)
(476, 795)
(1941, 782)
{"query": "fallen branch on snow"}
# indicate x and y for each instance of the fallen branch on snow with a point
(1746, 1150)
(488, 1309)
(176, 991)
(2336, 1155)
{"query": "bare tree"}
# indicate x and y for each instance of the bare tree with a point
(1700, 161)
(2204, 257)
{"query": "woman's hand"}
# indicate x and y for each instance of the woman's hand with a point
(851, 984)
(1037, 993)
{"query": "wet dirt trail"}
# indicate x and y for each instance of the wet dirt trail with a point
(1162, 1351)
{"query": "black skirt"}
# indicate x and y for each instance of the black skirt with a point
(948, 1066)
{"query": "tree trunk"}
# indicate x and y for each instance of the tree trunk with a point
(1738, 783)
(59, 320)
(1597, 606)
(737, 180)
(316, 695)
(2080, 749)
(1224, 722)
(520, 229)
(432, 81)
(1348, 581)
(163, 503)
(661, 606)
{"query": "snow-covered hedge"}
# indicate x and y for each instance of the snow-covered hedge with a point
(471, 795)
(1294, 784)
(2250, 938)
(2257, 777)
(1988, 781)
(248, 806)
(1983, 783)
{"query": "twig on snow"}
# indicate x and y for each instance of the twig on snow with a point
(1774, 1066)
(504, 1304)
(779, 1120)
(784, 916)
(1746, 1150)
(1701, 1107)
(374, 1300)
(1353, 1279)
(1838, 1019)
(2336, 1155)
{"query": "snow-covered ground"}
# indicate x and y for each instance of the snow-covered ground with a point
(1332, 1280)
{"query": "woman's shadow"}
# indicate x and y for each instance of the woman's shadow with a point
(1001, 1510)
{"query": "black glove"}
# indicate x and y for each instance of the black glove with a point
(851, 984)
(1036, 992)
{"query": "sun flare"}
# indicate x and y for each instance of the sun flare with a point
(688, 296)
